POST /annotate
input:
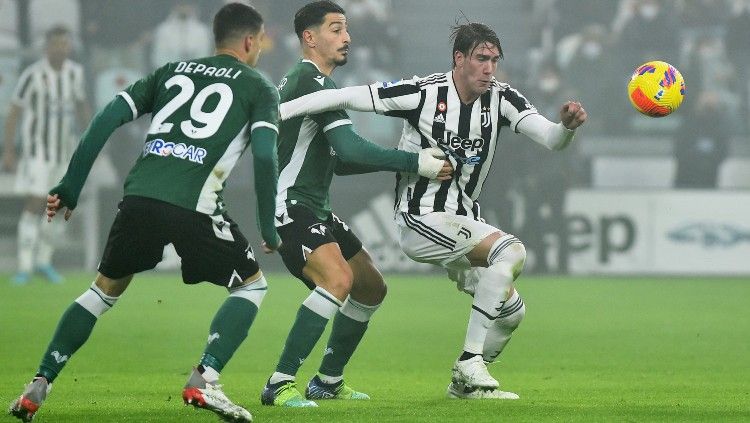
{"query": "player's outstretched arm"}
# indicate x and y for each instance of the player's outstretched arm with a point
(266, 170)
(343, 168)
(65, 194)
(357, 98)
(551, 135)
(351, 148)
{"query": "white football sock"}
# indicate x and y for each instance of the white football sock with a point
(50, 233)
(28, 235)
(502, 328)
(506, 258)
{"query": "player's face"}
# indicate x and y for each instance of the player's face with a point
(58, 48)
(256, 46)
(334, 39)
(478, 69)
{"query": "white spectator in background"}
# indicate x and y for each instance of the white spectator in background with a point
(181, 36)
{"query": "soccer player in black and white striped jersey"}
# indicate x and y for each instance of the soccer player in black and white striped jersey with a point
(49, 96)
(462, 113)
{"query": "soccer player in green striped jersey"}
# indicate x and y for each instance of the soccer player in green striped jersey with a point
(205, 113)
(318, 247)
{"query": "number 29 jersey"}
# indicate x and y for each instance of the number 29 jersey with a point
(203, 112)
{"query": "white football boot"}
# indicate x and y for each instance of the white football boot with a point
(473, 372)
(460, 391)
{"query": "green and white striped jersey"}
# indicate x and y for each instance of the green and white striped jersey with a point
(306, 159)
(202, 114)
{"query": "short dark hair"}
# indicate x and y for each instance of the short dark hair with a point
(56, 31)
(468, 36)
(313, 14)
(234, 20)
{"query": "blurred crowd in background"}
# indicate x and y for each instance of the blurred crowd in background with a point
(562, 49)
(582, 49)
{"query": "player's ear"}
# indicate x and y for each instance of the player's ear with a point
(308, 38)
(458, 58)
(247, 43)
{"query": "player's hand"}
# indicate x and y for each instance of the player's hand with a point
(572, 115)
(446, 172)
(53, 205)
(431, 162)
(267, 249)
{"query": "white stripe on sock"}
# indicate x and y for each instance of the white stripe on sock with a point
(322, 302)
(95, 301)
(357, 311)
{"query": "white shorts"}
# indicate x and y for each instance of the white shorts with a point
(35, 177)
(444, 239)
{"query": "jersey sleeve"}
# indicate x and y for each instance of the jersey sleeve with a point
(514, 107)
(314, 82)
(141, 95)
(23, 89)
(265, 110)
(397, 96)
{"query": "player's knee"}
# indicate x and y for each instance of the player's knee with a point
(373, 293)
(254, 291)
(509, 253)
(369, 286)
(338, 281)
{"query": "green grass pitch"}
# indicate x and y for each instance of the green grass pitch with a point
(590, 349)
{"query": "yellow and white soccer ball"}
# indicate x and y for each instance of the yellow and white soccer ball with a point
(656, 88)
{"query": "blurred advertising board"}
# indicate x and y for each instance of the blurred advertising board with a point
(685, 232)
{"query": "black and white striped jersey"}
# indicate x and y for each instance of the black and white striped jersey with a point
(49, 98)
(468, 134)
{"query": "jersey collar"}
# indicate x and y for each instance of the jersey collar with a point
(312, 63)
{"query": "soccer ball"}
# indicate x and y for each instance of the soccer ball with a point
(656, 88)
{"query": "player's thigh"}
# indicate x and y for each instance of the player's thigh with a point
(310, 249)
(368, 286)
(136, 239)
(440, 238)
(212, 249)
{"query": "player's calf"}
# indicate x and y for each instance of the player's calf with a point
(499, 333)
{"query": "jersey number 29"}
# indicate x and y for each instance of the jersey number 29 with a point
(210, 120)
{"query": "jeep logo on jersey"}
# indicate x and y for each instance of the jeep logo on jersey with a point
(180, 150)
(466, 161)
(454, 142)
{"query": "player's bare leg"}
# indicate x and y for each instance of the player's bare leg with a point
(73, 329)
(503, 256)
(349, 326)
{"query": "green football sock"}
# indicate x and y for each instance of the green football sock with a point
(305, 333)
(228, 329)
(313, 316)
(72, 331)
(346, 334)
